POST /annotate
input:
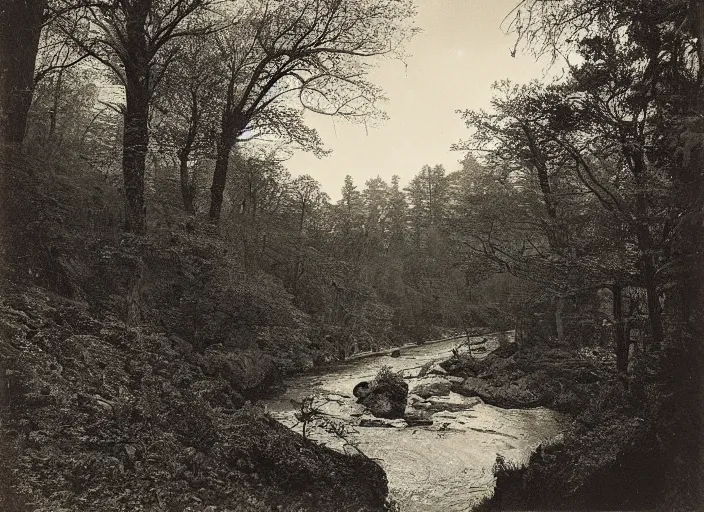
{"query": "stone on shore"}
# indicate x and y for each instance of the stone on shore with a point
(418, 419)
(381, 422)
(452, 402)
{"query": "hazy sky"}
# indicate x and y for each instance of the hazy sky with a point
(460, 53)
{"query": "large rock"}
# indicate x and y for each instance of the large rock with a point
(515, 394)
(431, 368)
(436, 369)
(250, 372)
(362, 389)
(434, 387)
(386, 399)
(472, 386)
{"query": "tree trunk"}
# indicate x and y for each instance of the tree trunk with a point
(654, 309)
(134, 153)
(187, 188)
(647, 248)
(135, 137)
(622, 344)
(298, 264)
(184, 154)
(53, 115)
(217, 189)
(20, 28)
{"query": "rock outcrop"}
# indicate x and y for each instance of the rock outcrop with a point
(514, 394)
(386, 398)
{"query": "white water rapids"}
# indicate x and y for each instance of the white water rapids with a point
(443, 467)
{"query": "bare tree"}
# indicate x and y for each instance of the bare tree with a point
(314, 49)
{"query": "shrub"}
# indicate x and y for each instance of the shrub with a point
(386, 376)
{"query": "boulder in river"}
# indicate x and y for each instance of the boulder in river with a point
(515, 394)
(395, 352)
(472, 386)
(387, 395)
(386, 401)
(362, 389)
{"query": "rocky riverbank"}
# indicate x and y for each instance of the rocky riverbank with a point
(510, 377)
(99, 416)
(623, 445)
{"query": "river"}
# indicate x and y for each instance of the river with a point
(446, 466)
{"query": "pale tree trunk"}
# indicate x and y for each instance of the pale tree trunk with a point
(187, 188)
(622, 345)
(298, 265)
(187, 185)
(54, 114)
(20, 28)
(697, 23)
(224, 147)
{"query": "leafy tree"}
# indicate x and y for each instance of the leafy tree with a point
(134, 40)
(312, 49)
(187, 108)
(427, 194)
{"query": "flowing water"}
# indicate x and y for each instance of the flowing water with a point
(446, 466)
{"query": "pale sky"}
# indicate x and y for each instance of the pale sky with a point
(453, 62)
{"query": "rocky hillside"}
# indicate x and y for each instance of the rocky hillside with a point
(632, 444)
(127, 365)
(100, 416)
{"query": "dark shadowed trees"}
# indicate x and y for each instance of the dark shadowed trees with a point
(186, 111)
(134, 40)
(21, 23)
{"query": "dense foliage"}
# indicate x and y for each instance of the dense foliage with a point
(147, 219)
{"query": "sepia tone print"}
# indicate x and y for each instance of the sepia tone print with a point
(351, 255)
